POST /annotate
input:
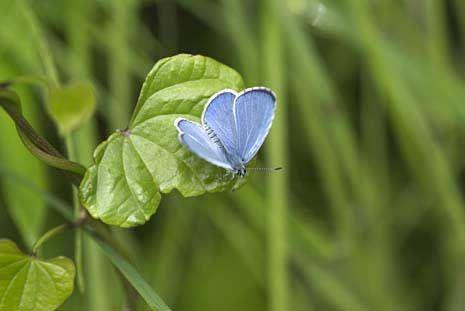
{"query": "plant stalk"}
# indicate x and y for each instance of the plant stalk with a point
(35, 143)
(277, 188)
(77, 214)
(47, 236)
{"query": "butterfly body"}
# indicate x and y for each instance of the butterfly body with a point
(234, 127)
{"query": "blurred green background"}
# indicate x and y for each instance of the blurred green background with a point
(369, 213)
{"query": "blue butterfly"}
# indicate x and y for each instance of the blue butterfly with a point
(234, 127)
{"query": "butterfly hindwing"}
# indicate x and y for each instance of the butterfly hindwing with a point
(219, 116)
(196, 139)
(254, 112)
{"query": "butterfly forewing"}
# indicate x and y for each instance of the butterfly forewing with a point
(196, 139)
(254, 112)
(219, 118)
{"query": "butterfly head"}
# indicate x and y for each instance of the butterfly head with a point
(241, 171)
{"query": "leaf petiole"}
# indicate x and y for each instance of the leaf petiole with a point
(56, 231)
(47, 236)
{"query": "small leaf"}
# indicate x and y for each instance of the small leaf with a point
(28, 283)
(71, 105)
(133, 166)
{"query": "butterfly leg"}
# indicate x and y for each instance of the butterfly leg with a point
(238, 183)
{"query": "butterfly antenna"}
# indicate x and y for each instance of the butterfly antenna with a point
(268, 169)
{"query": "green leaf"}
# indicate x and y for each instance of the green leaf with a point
(133, 166)
(28, 283)
(71, 105)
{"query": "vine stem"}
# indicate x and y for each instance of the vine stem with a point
(69, 141)
(76, 224)
(47, 236)
(35, 143)
(42, 46)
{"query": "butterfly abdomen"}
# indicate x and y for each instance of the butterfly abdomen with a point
(211, 134)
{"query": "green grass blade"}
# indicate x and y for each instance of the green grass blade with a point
(54, 203)
(130, 273)
(278, 199)
(118, 34)
(40, 42)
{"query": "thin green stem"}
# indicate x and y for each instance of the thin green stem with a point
(77, 214)
(35, 143)
(73, 171)
(11, 103)
(278, 192)
(47, 236)
(235, 19)
(35, 80)
(118, 33)
(459, 7)
(39, 37)
(437, 32)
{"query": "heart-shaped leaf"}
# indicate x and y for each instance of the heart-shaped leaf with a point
(133, 166)
(30, 284)
(71, 105)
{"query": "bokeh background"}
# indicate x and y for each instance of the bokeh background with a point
(369, 213)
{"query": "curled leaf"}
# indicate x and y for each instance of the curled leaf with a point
(36, 144)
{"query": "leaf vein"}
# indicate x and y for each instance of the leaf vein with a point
(178, 159)
(127, 181)
(24, 285)
(10, 283)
